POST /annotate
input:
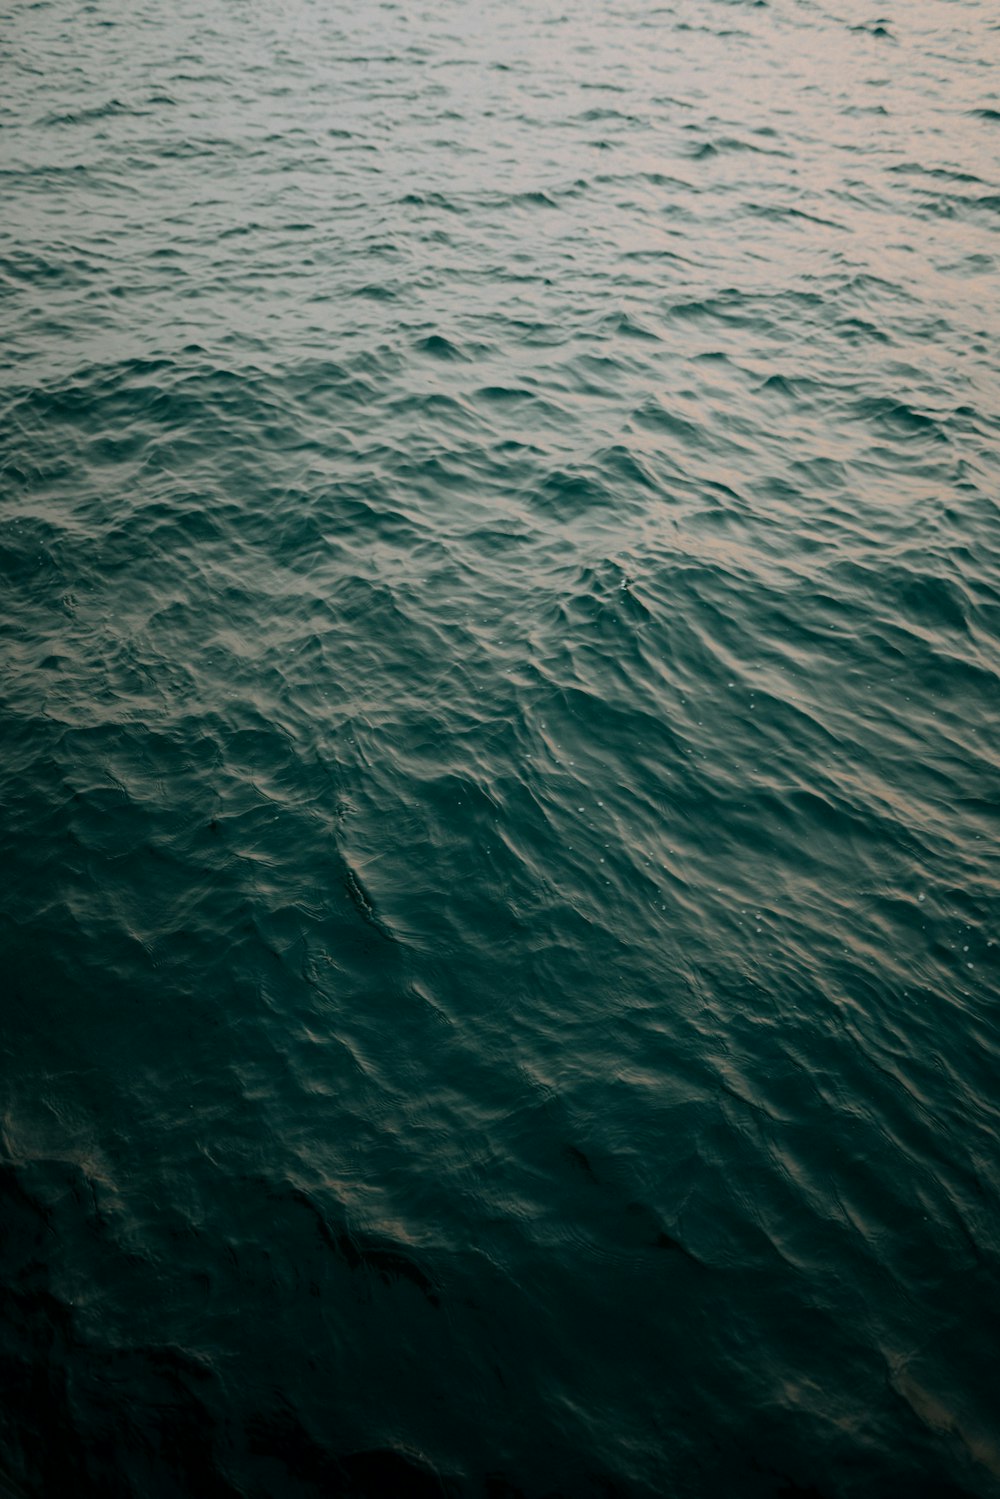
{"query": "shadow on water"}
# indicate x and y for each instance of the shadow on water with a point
(83, 1415)
(358, 1251)
(93, 1420)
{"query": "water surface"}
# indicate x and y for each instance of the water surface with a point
(501, 638)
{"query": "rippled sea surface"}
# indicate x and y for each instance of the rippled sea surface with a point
(500, 749)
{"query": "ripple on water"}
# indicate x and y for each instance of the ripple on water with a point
(500, 932)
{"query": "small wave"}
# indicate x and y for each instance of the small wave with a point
(500, 701)
(899, 417)
(879, 28)
(92, 113)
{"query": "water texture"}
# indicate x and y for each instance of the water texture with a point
(500, 716)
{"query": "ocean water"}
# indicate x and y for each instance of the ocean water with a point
(500, 723)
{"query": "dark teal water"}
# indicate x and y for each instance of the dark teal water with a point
(500, 731)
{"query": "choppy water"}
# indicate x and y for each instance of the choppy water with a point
(500, 722)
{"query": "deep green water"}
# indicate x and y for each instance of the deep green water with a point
(500, 749)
